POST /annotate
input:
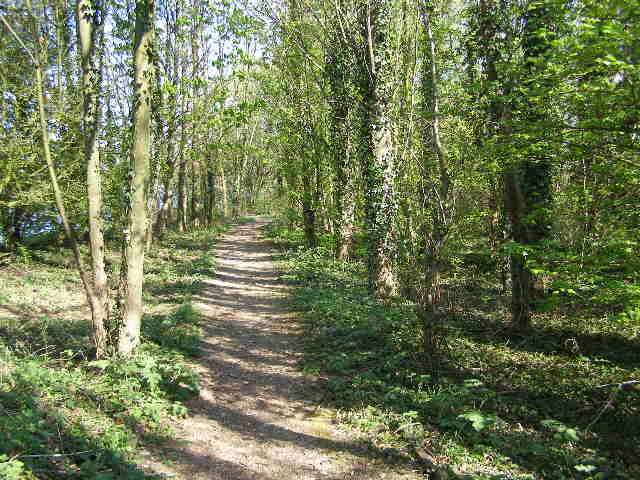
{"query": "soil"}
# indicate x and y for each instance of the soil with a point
(258, 417)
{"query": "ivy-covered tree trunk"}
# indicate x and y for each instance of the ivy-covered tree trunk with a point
(347, 196)
(485, 48)
(90, 20)
(528, 180)
(158, 165)
(378, 156)
(340, 69)
(133, 263)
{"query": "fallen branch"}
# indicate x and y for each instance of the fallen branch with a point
(58, 455)
(622, 385)
(5, 257)
(407, 426)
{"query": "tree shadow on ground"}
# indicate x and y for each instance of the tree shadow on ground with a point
(54, 404)
(368, 352)
(557, 339)
(209, 465)
(52, 445)
(172, 292)
(45, 334)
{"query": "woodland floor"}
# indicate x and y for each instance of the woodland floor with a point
(257, 417)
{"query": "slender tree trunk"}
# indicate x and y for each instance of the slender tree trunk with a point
(152, 203)
(182, 161)
(169, 174)
(14, 229)
(156, 166)
(308, 211)
(39, 59)
(347, 214)
(436, 193)
(193, 203)
(439, 195)
(182, 188)
(195, 166)
(211, 195)
(60, 15)
(348, 185)
(90, 19)
(140, 155)
(163, 213)
(223, 186)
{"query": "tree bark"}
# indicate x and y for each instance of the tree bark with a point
(90, 20)
(182, 161)
(140, 155)
(225, 193)
(182, 186)
(436, 193)
(39, 59)
(169, 174)
(378, 158)
(340, 70)
(308, 211)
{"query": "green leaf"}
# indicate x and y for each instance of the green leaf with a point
(585, 468)
(101, 364)
(478, 420)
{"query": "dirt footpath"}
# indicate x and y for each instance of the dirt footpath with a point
(255, 418)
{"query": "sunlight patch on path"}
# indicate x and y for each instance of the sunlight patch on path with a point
(254, 418)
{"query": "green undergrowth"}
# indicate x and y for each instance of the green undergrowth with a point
(65, 415)
(498, 405)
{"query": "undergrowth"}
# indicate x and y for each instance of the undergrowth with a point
(498, 406)
(64, 415)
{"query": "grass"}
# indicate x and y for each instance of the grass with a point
(498, 406)
(64, 415)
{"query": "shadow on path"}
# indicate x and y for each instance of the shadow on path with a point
(256, 417)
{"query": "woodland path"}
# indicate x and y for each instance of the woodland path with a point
(255, 417)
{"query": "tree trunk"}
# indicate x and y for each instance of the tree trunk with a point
(156, 167)
(182, 189)
(211, 198)
(14, 229)
(436, 194)
(195, 170)
(308, 212)
(140, 155)
(89, 21)
(340, 70)
(225, 193)
(379, 156)
(182, 161)
(528, 181)
(347, 216)
(39, 59)
(169, 175)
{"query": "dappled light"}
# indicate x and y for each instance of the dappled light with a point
(320, 240)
